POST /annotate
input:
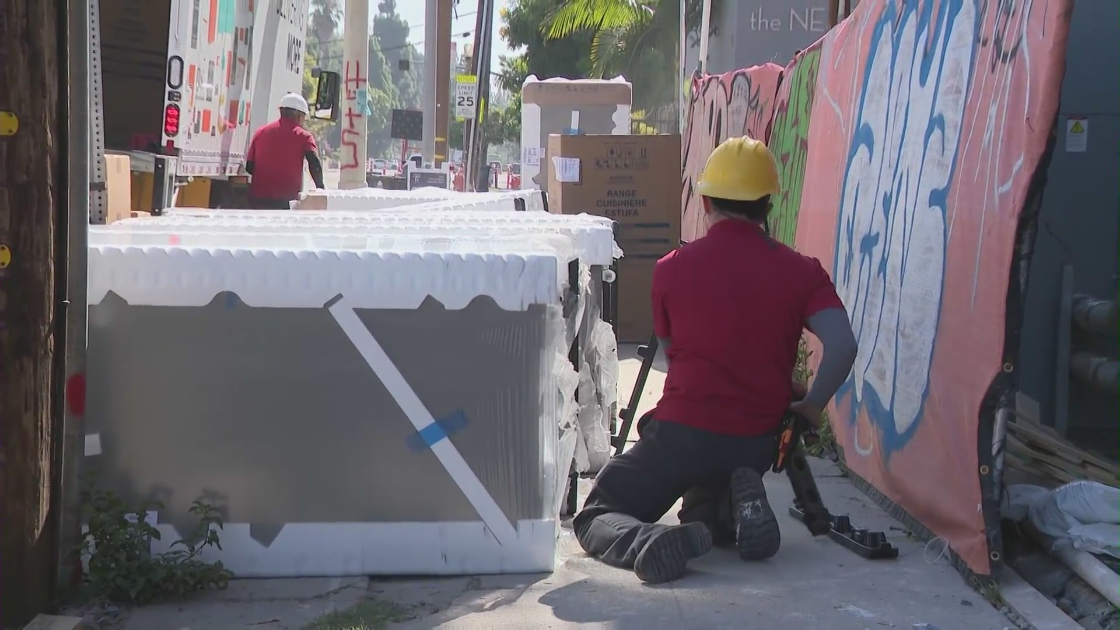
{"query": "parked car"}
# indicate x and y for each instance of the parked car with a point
(382, 167)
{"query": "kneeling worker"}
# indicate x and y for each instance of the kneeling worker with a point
(729, 310)
(276, 156)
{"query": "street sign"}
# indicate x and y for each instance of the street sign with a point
(407, 124)
(466, 95)
(427, 177)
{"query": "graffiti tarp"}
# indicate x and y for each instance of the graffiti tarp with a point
(739, 103)
(907, 139)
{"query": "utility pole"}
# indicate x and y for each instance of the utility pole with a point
(442, 67)
(431, 46)
(355, 104)
(31, 139)
(480, 67)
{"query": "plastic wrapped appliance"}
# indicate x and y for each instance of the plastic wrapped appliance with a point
(366, 199)
(584, 237)
(390, 410)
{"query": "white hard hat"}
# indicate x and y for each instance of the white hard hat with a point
(291, 100)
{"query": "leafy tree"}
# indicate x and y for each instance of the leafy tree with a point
(513, 70)
(544, 56)
(391, 34)
(326, 16)
(501, 127)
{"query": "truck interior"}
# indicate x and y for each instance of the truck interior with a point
(134, 36)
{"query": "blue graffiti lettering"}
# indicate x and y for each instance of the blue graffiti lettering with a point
(891, 238)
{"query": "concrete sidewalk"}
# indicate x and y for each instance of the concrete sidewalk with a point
(811, 583)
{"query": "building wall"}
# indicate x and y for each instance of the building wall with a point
(1078, 223)
(754, 32)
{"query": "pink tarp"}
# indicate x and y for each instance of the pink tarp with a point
(926, 122)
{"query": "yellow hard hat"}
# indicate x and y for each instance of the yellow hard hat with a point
(740, 169)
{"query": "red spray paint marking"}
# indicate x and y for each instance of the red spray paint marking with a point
(76, 394)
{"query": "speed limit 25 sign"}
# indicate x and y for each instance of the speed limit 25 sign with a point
(466, 95)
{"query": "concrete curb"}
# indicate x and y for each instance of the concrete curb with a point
(1030, 605)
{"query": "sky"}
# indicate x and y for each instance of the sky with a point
(412, 11)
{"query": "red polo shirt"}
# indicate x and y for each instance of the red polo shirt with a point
(733, 305)
(277, 153)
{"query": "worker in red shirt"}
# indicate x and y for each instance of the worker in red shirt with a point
(276, 157)
(729, 310)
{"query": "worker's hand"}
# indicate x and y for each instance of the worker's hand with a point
(799, 389)
(809, 411)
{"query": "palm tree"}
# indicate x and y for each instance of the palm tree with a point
(639, 39)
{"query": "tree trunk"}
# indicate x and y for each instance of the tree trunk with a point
(29, 191)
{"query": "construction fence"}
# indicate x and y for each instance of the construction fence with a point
(911, 141)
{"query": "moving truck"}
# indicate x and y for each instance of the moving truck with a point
(185, 83)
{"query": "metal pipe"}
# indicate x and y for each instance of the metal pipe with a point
(1100, 317)
(1004, 415)
(1100, 372)
(1062, 368)
(76, 223)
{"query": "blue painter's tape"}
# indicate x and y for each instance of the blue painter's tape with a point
(436, 432)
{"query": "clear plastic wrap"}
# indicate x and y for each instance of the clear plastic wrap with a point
(353, 412)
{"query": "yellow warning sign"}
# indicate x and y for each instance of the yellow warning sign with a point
(9, 124)
(5, 256)
(1077, 134)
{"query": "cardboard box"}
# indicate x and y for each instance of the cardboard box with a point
(312, 200)
(118, 187)
(576, 106)
(635, 180)
(635, 310)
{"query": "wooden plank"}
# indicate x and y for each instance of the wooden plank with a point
(53, 622)
(1060, 447)
(1048, 462)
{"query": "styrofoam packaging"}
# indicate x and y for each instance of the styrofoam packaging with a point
(367, 199)
(588, 238)
(353, 412)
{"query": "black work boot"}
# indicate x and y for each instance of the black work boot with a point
(665, 556)
(756, 529)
